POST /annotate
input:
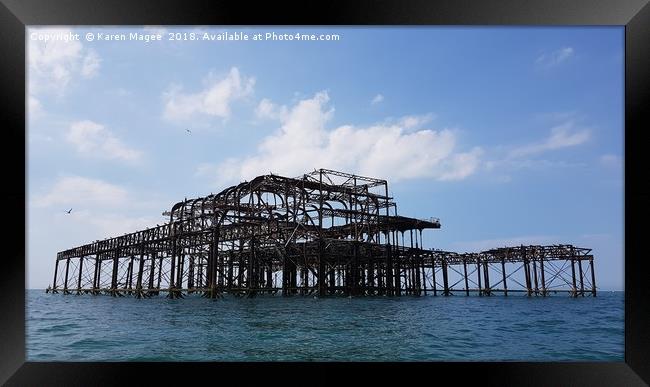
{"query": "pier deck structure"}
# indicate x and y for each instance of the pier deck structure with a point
(324, 233)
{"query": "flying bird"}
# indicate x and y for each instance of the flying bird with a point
(69, 211)
(188, 131)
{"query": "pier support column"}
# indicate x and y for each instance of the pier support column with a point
(541, 268)
(423, 274)
(231, 270)
(322, 275)
(138, 283)
(269, 277)
(285, 275)
(190, 273)
(582, 284)
(152, 270)
(418, 281)
(528, 279)
(574, 291)
(486, 274)
(114, 274)
(180, 269)
(128, 283)
(250, 270)
(222, 269)
(304, 280)
(503, 274)
(434, 285)
(56, 271)
(397, 289)
(81, 266)
(293, 277)
(371, 278)
(593, 277)
(98, 275)
(65, 282)
(465, 277)
(199, 275)
(535, 277)
(478, 275)
(389, 271)
(445, 280)
(213, 255)
(289, 274)
(160, 265)
(172, 271)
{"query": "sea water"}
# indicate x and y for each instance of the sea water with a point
(303, 328)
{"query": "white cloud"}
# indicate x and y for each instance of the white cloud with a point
(76, 190)
(610, 160)
(120, 92)
(562, 136)
(566, 135)
(53, 64)
(554, 58)
(106, 208)
(539, 164)
(34, 107)
(214, 100)
(90, 65)
(156, 30)
(37, 137)
(100, 210)
(268, 110)
(377, 99)
(93, 139)
(206, 170)
(303, 143)
(410, 122)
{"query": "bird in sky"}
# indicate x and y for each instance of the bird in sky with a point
(188, 131)
(69, 211)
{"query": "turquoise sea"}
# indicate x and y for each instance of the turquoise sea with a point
(275, 328)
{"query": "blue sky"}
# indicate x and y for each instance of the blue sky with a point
(508, 135)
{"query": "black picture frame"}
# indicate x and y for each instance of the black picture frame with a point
(15, 15)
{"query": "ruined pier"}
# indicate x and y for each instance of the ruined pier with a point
(324, 233)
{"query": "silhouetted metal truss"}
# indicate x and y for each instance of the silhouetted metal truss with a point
(324, 233)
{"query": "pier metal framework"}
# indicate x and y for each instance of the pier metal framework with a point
(324, 233)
